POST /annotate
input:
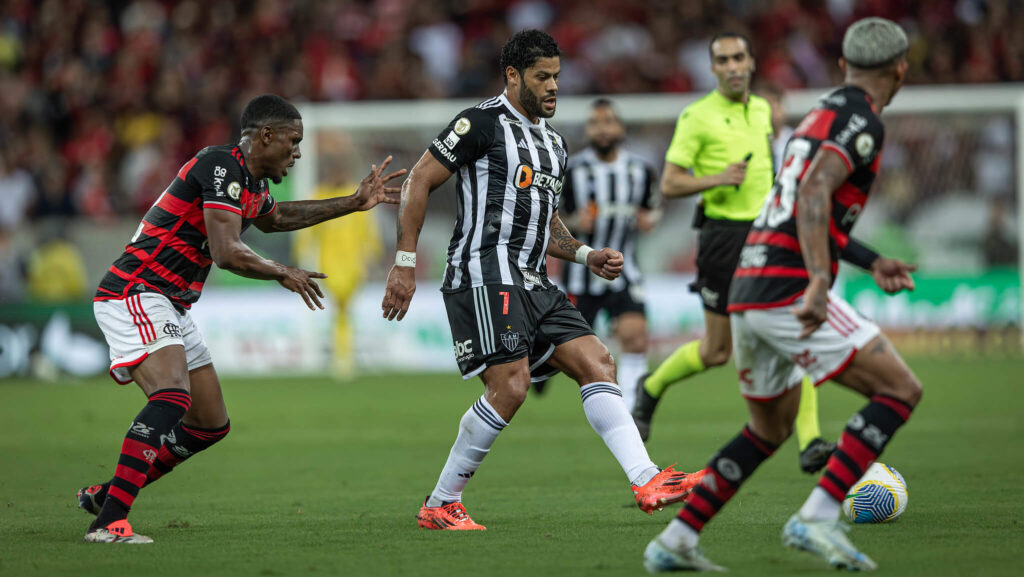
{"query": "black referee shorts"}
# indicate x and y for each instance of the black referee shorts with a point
(497, 324)
(718, 253)
(628, 300)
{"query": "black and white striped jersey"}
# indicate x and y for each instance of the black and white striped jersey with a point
(612, 191)
(510, 175)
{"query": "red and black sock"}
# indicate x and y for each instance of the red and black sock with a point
(139, 450)
(181, 443)
(865, 436)
(726, 471)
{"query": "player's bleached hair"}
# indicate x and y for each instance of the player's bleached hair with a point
(525, 48)
(874, 43)
(267, 109)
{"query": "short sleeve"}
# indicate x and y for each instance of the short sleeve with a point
(856, 135)
(268, 206)
(220, 180)
(686, 141)
(568, 205)
(467, 138)
(652, 198)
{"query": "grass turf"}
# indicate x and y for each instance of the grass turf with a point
(319, 478)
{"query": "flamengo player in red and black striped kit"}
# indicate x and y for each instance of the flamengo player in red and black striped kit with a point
(142, 303)
(786, 322)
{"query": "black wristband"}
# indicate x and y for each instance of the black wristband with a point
(858, 254)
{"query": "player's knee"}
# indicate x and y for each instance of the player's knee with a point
(910, 390)
(515, 391)
(716, 356)
(603, 368)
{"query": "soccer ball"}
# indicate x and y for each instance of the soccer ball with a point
(878, 497)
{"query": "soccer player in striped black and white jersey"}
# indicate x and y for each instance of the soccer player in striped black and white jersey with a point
(506, 316)
(611, 196)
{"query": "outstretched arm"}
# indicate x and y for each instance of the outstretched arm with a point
(305, 213)
(427, 175)
(223, 229)
(605, 263)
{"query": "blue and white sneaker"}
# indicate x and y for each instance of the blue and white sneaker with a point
(660, 559)
(828, 540)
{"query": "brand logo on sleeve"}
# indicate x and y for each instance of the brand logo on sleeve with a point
(234, 190)
(462, 126)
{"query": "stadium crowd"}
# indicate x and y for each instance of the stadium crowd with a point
(101, 101)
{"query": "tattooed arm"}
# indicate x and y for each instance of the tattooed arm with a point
(306, 213)
(605, 263)
(814, 207)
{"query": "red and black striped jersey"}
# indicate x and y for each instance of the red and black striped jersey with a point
(170, 253)
(771, 270)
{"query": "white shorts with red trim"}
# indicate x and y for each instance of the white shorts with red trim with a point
(141, 324)
(771, 358)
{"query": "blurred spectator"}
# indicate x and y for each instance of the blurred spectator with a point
(56, 271)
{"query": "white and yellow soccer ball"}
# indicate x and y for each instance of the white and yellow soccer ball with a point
(878, 497)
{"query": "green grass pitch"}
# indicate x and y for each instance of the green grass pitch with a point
(320, 478)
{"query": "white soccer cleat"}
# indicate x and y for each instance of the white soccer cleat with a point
(660, 559)
(828, 540)
(116, 532)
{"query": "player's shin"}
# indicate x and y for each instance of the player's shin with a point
(728, 469)
(603, 406)
(866, 434)
(139, 450)
(181, 443)
(478, 430)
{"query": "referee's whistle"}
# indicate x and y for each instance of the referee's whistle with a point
(746, 159)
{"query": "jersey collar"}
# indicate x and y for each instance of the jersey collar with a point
(526, 121)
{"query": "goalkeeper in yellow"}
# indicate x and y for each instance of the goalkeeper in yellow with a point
(722, 149)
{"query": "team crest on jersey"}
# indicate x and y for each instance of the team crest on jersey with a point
(510, 339)
(462, 126)
(234, 190)
(865, 143)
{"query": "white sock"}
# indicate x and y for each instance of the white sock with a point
(820, 506)
(679, 536)
(632, 366)
(602, 402)
(478, 429)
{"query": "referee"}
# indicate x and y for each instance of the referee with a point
(722, 149)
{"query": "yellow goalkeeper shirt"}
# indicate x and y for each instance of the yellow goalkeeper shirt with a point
(713, 133)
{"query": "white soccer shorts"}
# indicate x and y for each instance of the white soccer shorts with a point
(771, 358)
(141, 324)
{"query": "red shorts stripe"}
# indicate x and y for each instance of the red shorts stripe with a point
(120, 495)
(145, 317)
(143, 334)
(901, 408)
(839, 328)
(131, 475)
(842, 314)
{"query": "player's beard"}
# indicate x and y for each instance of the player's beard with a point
(605, 148)
(532, 103)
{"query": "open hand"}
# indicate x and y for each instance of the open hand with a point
(892, 275)
(398, 293)
(301, 281)
(372, 190)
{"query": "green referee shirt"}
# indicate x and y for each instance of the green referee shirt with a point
(713, 133)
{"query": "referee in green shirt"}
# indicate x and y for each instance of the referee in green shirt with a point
(722, 149)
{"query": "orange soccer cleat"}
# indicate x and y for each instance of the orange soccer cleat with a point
(667, 487)
(447, 517)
